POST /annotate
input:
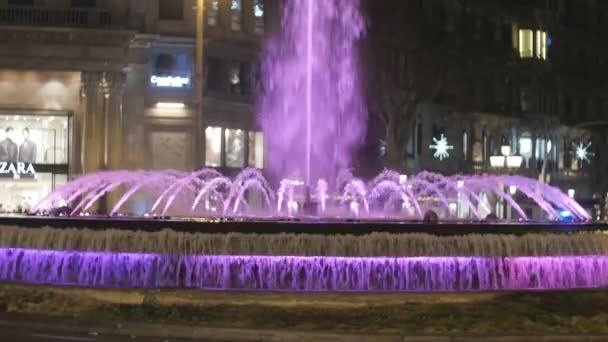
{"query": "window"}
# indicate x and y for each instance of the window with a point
(214, 70)
(258, 13)
(239, 77)
(213, 146)
(256, 150)
(213, 10)
(171, 9)
(234, 78)
(541, 44)
(235, 148)
(236, 10)
(83, 3)
(526, 44)
(532, 44)
(465, 145)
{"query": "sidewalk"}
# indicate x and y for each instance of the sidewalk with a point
(72, 326)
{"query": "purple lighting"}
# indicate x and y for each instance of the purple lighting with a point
(311, 109)
(285, 273)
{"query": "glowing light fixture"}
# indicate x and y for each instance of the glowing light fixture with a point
(571, 193)
(514, 162)
(170, 105)
(512, 189)
(497, 161)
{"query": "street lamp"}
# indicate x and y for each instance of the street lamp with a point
(198, 80)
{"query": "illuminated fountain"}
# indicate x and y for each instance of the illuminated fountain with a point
(389, 196)
(314, 118)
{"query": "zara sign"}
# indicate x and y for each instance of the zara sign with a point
(170, 81)
(16, 169)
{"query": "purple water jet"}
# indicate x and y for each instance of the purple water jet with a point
(389, 196)
(311, 109)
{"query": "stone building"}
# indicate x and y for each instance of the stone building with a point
(89, 85)
(523, 77)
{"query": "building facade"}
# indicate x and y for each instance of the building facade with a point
(89, 85)
(521, 78)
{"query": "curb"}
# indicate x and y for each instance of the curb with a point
(249, 335)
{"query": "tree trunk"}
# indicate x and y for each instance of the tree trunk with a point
(395, 151)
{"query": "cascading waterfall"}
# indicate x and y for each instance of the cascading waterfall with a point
(301, 273)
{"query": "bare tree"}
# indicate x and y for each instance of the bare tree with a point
(404, 70)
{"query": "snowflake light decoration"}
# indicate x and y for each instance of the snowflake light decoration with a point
(441, 147)
(582, 152)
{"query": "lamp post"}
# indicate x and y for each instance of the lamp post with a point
(198, 82)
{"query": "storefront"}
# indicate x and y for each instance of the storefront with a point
(34, 156)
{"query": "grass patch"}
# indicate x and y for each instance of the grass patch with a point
(533, 312)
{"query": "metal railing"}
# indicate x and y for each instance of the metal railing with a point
(55, 17)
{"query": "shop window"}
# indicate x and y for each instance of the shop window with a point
(258, 13)
(33, 139)
(213, 10)
(236, 10)
(170, 9)
(235, 148)
(19, 196)
(256, 150)
(83, 3)
(213, 146)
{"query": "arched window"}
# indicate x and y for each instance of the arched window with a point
(465, 145)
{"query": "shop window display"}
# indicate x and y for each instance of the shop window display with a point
(33, 159)
(33, 139)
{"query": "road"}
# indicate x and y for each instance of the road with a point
(18, 334)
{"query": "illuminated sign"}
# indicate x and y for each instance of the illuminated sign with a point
(16, 169)
(170, 81)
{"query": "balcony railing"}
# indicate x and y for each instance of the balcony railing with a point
(56, 17)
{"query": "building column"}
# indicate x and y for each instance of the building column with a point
(113, 121)
(93, 100)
